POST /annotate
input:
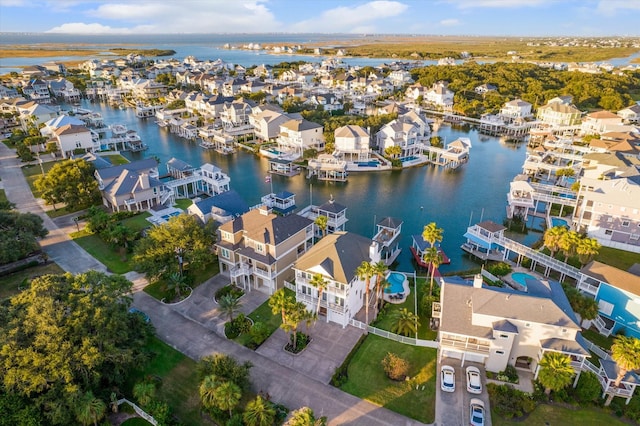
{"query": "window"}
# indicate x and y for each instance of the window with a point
(226, 236)
(499, 352)
(260, 248)
(625, 223)
(504, 336)
(605, 307)
(608, 232)
(634, 237)
(224, 253)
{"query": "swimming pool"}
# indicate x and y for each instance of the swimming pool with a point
(168, 216)
(521, 278)
(406, 159)
(373, 163)
(556, 221)
(396, 281)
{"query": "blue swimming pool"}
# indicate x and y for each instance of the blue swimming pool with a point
(521, 278)
(406, 159)
(556, 221)
(374, 163)
(396, 281)
(168, 216)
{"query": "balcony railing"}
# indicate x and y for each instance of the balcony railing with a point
(588, 288)
(459, 344)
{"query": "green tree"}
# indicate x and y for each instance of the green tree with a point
(69, 334)
(587, 249)
(229, 305)
(569, 244)
(98, 220)
(279, 303)
(225, 368)
(365, 272)
(157, 253)
(433, 257)
(175, 283)
(555, 371)
(144, 393)
(318, 281)
(259, 412)
(625, 351)
(305, 417)
(90, 409)
(379, 269)
(295, 314)
(120, 236)
(405, 322)
(393, 151)
(227, 396)
(432, 234)
(321, 223)
(552, 238)
(19, 233)
(588, 389)
(70, 182)
(207, 391)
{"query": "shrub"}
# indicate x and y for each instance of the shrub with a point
(231, 330)
(588, 388)
(229, 289)
(499, 269)
(302, 340)
(259, 333)
(226, 368)
(396, 368)
(509, 402)
(242, 323)
(511, 373)
(235, 420)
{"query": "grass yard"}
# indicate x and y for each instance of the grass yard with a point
(619, 258)
(9, 284)
(116, 159)
(264, 315)
(385, 319)
(96, 247)
(555, 415)
(183, 203)
(597, 338)
(32, 172)
(138, 222)
(3, 196)
(368, 380)
(180, 382)
(157, 290)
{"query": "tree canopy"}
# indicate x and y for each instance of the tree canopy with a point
(69, 182)
(19, 233)
(67, 335)
(157, 253)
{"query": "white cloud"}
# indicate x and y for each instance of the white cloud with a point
(185, 16)
(611, 7)
(364, 18)
(13, 3)
(468, 4)
(82, 28)
(450, 22)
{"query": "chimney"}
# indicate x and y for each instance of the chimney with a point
(477, 281)
(374, 253)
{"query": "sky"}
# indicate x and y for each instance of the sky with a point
(433, 17)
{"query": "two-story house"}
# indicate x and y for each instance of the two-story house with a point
(516, 109)
(72, 137)
(257, 249)
(299, 135)
(352, 142)
(559, 114)
(336, 257)
(402, 133)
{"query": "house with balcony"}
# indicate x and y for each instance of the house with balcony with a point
(484, 240)
(388, 239)
(618, 295)
(37, 90)
(497, 326)
(401, 133)
(352, 142)
(298, 135)
(335, 213)
(221, 208)
(72, 137)
(631, 114)
(599, 122)
(516, 109)
(257, 249)
(336, 257)
(440, 96)
(560, 115)
(267, 123)
(520, 198)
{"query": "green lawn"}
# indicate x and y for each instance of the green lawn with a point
(156, 289)
(96, 247)
(264, 315)
(180, 382)
(183, 203)
(619, 258)
(597, 338)
(367, 379)
(9, 284)
(116, 159)
(385, 319)
(555, 415)
(138, 222)
(3, 196)
(136, 421)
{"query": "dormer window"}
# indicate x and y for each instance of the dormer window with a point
(260, 248)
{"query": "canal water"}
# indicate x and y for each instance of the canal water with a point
(418, 195)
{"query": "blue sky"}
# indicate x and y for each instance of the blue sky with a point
(439, 17)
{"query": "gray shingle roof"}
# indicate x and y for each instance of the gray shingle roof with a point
(134, 166)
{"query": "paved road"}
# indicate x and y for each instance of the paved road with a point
(286, 386)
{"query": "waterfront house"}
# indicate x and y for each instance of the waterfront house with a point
(560, 115)
(73, 137)
(498, 326)
(336, 257)
(37, 90)
(599, 122)
(221, 208)
(617, 293)
(34, 113)
(630, 114)
(402, 132)
(516, 109)
(439, 96)
(299, 135)
(387, 238)
(484, 240)
(335, 213)
(267, 123)
(235, 114)
(352, 142)
(257, 249)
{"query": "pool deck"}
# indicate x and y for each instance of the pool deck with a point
(405, 292)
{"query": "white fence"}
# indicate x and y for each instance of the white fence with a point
(139, 411)
(597, 350)
(392, 336)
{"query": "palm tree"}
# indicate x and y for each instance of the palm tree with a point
(322, 222)
(229, 304)
(555, 371)
(433, 257)
(365, 272)
(144, 392)
(259, 413)
(90, 409)
(587, 249)
(432, 234)
(175, 283)
(279, 303)
(227, 396)
(379, 269)
(625, 351)
(552, 237)
(569, 243)
(207, 388)
(305, 417)
(405, 322)
(320, 284)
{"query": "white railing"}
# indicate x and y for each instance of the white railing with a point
(139, 411)
(290, 286)
(602, 326)
(458, 344)
(392, 336)
(540, 257)
(597, 349)
(588, 288)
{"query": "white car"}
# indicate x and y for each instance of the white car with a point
(447, 379)
(473, 380)
(476, 412)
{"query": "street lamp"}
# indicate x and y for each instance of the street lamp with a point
(75, 219)
(179, 252)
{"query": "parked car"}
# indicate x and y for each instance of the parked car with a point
(144, 316)
(473, 380)
(447, 378)
(476, 412)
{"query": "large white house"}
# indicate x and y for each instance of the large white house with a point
(71, 137)
(353, 142)
(336, 257)
(299, 135)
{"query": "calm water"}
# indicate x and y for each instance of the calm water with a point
(417, 196)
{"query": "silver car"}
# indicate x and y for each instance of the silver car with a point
(473, 380)
(447, 378)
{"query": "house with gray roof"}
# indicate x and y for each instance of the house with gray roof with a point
(220, 208)
(501, 326)
(336, 257)
(257, 249)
